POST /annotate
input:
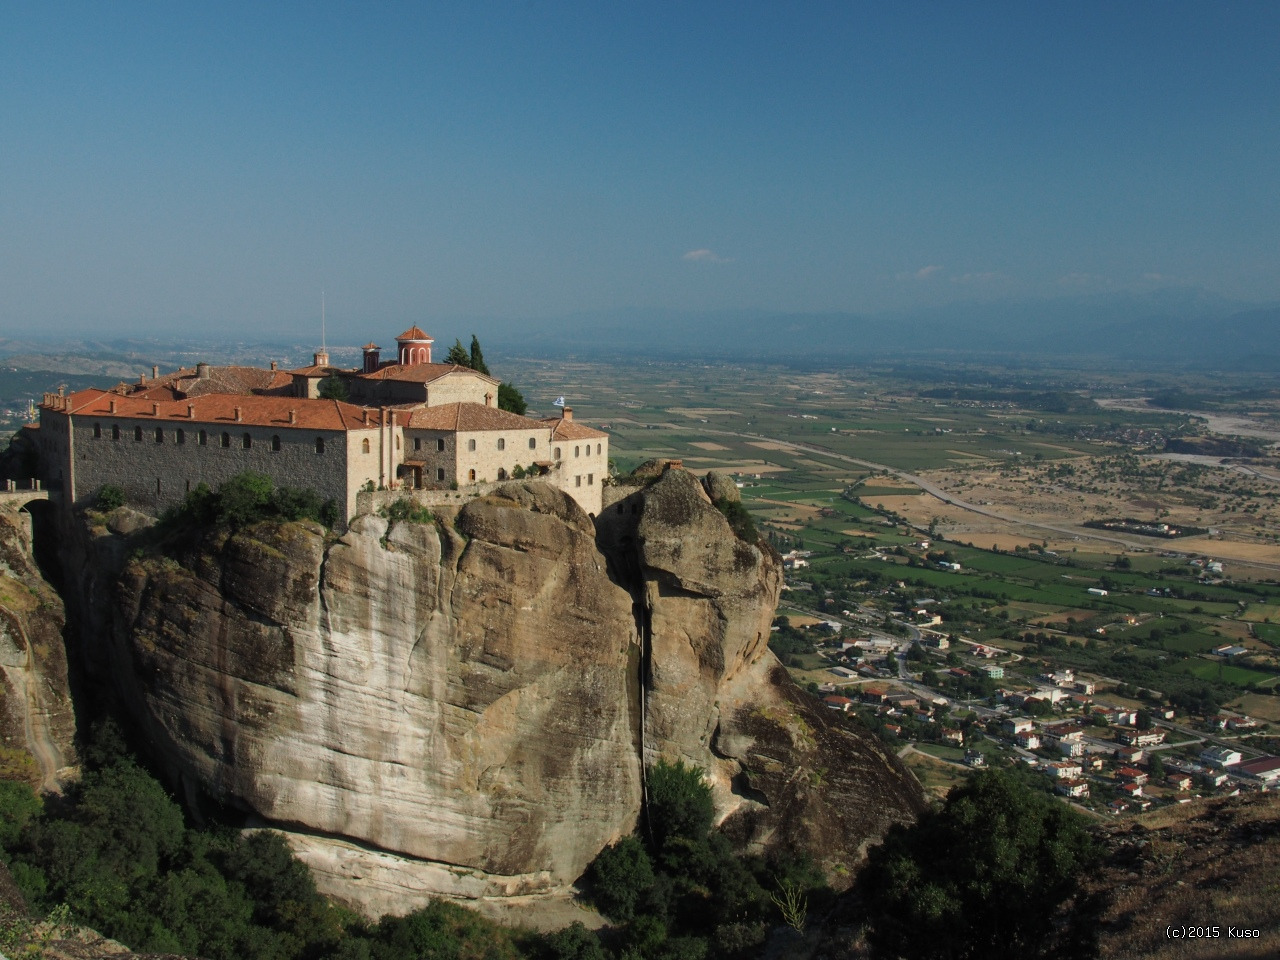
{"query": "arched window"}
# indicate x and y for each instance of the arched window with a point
(598, 448)
(440, 473)
(137, 434)
(180, 436)
(575, 451)
(502, 443)
(533, 443)
(275, 443)
(319, 444)
(246, 441)
(471, 445)
(115, 431)
(397, 441)
(159, 434)
(364, 445)
(97, 431)
(203, 438)
(226, 440)
(471, 476)
(502, 474)
(440, 444)
(557, 453)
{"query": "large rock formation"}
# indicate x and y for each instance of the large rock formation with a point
(783, 770)
(464, 707)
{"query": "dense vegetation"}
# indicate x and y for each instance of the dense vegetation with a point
(116, 854)
(677, 891)
(991, 874)
(247, 498)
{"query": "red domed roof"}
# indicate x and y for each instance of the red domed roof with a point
(414, 333)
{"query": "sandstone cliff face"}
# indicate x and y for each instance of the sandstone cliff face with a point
(36, 718)
(462, 707)
(784, 772)
(439, 710)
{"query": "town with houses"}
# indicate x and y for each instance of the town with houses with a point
(1091, 749)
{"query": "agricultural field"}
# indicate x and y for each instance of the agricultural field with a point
(877, 474)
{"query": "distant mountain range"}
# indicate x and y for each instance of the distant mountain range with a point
(1174, 327)
(1180, 327)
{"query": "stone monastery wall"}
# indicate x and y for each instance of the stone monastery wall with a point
(159, 473)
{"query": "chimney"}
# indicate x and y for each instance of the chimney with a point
(155, 408)
(142, 379)
(274, 366)
(202, 371)
(112, 407)
(155, 372)
(62, 390)
(366, 416)
(566, 413)
(293, 416)
(237, 414)
(191, 411)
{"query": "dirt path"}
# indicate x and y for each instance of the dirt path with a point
(35, 725)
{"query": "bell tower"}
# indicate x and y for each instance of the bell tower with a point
(414, 346)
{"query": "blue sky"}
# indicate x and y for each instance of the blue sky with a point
(192, 171)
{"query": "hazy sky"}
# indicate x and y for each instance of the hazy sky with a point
(165, 167)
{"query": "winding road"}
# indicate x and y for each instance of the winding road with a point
(938, 493)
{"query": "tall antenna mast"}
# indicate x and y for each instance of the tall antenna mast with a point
(323, 345)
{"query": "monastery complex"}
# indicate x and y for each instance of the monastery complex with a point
(407, 424)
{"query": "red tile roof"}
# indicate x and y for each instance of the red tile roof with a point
(562, 429)
(420, 372)
(315, 370)
(231, 379)
(220, 410)
(414, 333)
(1260, 766)
(470, 418)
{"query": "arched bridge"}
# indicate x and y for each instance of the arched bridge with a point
(14, 495)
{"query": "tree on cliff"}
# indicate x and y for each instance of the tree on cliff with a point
(458, 355)
(332, 388)
(477, 357)
(509, 398)
(992, 874)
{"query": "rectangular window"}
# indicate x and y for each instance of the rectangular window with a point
(440, 473)
(591, 479)
(440, 445)
(577, 481)
(417, 443)
(471, 445)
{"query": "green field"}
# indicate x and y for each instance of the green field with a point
(732, 419)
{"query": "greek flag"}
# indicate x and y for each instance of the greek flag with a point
(558, 402)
